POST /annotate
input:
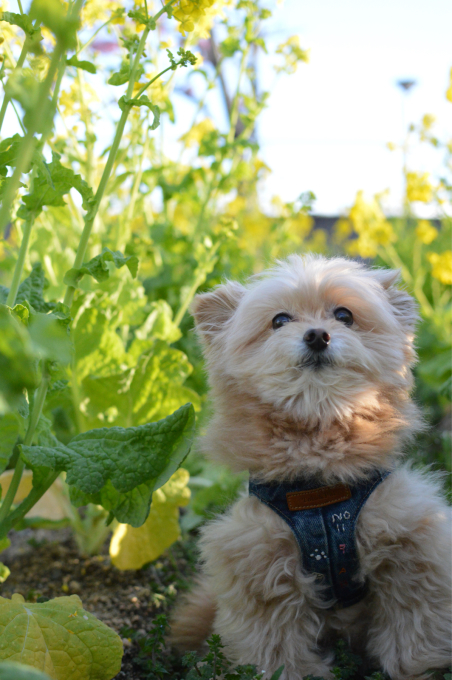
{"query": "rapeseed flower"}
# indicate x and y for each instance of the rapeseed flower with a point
(441, 266)
(190, 12)
(426, 232)
(373, 229)
(418, 187)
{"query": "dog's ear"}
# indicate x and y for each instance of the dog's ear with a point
(212, 310)
(404, 305)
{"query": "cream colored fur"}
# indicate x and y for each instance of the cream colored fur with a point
(280, 418)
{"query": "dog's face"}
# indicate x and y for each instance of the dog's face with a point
(312, 337)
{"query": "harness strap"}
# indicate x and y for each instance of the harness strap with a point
(323, 520)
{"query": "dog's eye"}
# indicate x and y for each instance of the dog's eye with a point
(280, 319)
(343, 314)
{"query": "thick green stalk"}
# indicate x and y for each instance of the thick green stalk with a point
(38, 403)
(91, 215)
(18, 269)
(19, 64)
(20, 260)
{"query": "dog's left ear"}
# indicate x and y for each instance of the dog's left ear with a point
(404, 305)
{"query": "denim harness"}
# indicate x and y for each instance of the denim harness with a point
(323, 521)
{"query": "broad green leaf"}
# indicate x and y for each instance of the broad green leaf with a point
(84, 65)
(17, 361)
(17, 671)
(9, 149)
(158, 324)
(142, 101)
(98, 267)
(98, 348)
(50, 338)
(131, 548)
(150, 390)
(54, 180)
(110, 460)
(10, 428)
(59, 638)
(30, 290)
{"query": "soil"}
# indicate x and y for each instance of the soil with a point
(47, 564)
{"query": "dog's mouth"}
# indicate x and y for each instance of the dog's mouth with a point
(316, 361)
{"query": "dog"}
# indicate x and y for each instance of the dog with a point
(310, 373)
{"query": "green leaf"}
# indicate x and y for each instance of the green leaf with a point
(23, 21)
(52, 182)
(120, 77)
(50, 338)
(98, 348)
(10, 428)
(131, 547)
(60, 638)
(84, 65)
(109, 464)
(17, 671)
(17, 361)
(98, 267)
(142, 101)
(30, 290)
(9, 150)
(277, 674)
(149, 391)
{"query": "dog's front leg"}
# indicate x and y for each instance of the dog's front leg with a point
(266, 613)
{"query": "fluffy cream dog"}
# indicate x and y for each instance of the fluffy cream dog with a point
(309, 366)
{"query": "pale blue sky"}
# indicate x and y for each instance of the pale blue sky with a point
(327, 126)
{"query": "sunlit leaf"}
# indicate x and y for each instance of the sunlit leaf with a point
(131, 548)
(114, 461)
(84, 65)
(98, 267)
(58, 637)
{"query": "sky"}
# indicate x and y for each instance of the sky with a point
(327, 126)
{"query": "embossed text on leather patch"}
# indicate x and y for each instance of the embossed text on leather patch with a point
(318, 498)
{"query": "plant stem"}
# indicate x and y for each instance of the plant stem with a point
(38, 403)
(18, 269)
(91, 215)
(29, 142)
(6, 98)
(33, 497)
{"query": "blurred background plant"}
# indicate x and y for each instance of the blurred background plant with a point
(188, 207)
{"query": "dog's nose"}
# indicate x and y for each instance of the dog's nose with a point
(317, 339)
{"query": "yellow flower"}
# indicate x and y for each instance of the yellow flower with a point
(449, 89)
(418, 187)
(441, 266)
(189, 12)
(428, 121)
(99, 10)
(194, 136)
(426, 232)
(391, 146)
(371, 226)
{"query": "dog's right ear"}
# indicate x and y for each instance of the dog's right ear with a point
(213, 310)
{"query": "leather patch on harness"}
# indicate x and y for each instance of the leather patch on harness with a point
(317, 498)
